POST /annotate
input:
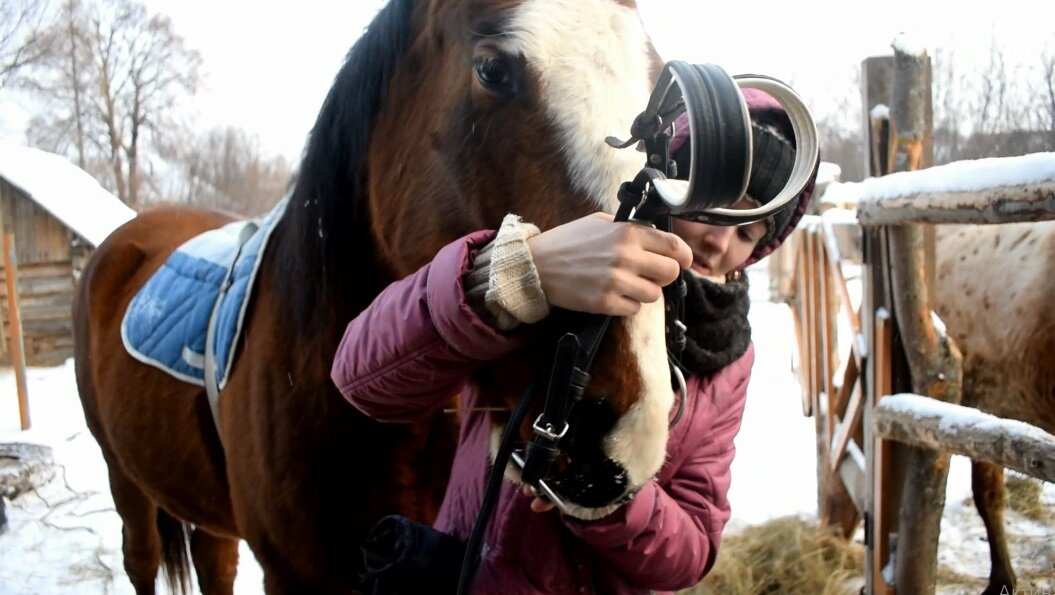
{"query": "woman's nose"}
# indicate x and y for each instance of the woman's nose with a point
(718, 237)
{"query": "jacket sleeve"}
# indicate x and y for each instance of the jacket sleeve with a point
(667, 537)
(419, 341)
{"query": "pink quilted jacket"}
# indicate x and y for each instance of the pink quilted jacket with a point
(419, 342)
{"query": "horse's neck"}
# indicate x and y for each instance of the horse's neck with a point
(319, 298)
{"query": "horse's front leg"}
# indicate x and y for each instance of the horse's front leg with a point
(987, 486)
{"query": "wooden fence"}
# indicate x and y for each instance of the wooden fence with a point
(45, 292)
(848, 378)
(885, 393)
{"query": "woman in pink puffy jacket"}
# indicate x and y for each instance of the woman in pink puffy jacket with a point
(422, 338)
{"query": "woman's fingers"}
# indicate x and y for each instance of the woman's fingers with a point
(665, 244)
(657, 269)
(635, 287)
(540, 505)
(537, 504)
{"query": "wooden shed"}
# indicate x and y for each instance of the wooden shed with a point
(56, 214)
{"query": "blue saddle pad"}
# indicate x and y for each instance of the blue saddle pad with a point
(167, 322)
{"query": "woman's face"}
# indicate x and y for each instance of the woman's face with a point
(719, 249)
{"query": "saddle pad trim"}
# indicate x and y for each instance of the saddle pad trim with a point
(269, 226)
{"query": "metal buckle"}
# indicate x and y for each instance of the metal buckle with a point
(547, 431)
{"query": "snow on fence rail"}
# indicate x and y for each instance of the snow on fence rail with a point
(994, 190)
(930, 423)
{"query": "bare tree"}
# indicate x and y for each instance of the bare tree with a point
(25, 39)
(225, 168)
(115, 85)
(839, 128)
(991, 108)
(1047, 93)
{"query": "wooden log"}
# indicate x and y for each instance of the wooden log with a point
(45, 269)
(835, 259)
(47, 285)
(837, 508)
(928, 423)
(1015, 203)
(911, 111)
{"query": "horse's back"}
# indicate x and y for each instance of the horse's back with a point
(124, 262)
(994, 289)
(145, 420)
(136, 249)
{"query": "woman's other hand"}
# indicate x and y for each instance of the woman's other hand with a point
(538, 503)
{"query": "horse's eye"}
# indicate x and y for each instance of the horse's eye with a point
(495, 75)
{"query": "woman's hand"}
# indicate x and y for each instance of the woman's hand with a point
(594, 265)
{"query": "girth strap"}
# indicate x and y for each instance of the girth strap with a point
(212, 390)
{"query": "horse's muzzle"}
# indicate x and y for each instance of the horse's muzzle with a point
(584, 480)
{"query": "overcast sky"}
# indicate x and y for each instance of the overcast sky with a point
(268, 65)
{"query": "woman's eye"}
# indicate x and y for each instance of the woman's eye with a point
(494, 74)
(749, 233)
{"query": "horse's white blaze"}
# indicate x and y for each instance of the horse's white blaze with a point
(639, 440)
(593, 59)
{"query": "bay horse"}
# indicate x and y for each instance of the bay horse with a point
(445, 116)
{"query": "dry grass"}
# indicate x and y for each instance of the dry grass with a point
(1023, 496)
(787, 556)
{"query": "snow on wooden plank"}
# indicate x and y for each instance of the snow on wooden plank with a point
(923, 421)
(993, 190)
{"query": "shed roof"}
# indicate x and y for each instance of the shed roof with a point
(66, 191)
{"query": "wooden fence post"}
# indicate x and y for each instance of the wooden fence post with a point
(18, 359)
(876, 76)
(932, 358)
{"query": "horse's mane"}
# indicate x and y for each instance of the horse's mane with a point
(329, 267)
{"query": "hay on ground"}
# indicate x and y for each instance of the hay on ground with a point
(1023, 496)
(788, 556)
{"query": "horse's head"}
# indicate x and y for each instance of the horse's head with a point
(493, 107)
(503, 106)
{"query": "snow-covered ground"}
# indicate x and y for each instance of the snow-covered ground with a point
(66, 538)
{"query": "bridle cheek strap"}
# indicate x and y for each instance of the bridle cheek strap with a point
(568, 381)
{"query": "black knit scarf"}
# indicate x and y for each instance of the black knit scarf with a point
(716, 316)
